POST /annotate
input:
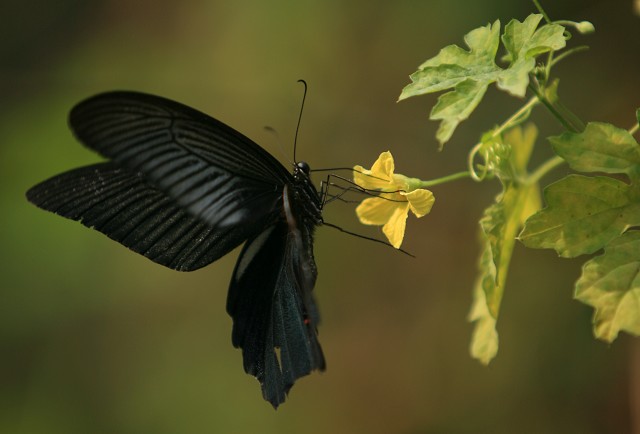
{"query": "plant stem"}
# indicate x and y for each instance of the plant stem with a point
(634, 129)
(568, 53)
(513, 120)
(544, 14)
(553, 110)
(568, 114)
(543, 169)
(444, 179)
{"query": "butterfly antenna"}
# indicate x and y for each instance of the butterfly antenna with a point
(295, 139)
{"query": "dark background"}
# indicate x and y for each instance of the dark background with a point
(96, 339)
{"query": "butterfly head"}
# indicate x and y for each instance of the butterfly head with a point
(302, 166)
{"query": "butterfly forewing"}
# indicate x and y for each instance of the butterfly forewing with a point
(127, 209)
(208, 168)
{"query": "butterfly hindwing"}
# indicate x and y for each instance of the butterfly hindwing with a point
(127, 209)
(274, 314)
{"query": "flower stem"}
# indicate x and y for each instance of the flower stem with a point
(445, 179)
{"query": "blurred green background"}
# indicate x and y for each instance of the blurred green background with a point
(96, 339)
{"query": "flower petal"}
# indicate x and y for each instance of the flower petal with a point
(379, 177)
(365, 179)
(420, 201)
(384, 166)
(394, 229)
(375, 211)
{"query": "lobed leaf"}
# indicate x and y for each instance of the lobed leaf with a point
(582, 215)
(516, 79)
(469, 72)
(483, 46)
(585, 214)
(453, 65)
(523, 43)
(549, 37)
(517, 35)
(599, 148)
(610, 283)
(454, 107)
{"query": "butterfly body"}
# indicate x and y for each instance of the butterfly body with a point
(184, 189)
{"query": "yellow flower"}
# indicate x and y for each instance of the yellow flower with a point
(390, 210)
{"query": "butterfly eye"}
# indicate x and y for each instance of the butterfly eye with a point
(304, 167)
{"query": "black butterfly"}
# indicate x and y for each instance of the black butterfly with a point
(184, 189)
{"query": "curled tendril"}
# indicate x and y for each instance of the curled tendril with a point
(471, 166)
(495, 154)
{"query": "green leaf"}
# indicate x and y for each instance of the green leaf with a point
(470, 72)
(517, 36)
(523, 43)
(454, 107)
(516, 79)
(482, 43)
(599, 148)
(484, 340)
(467, 72)
(499, 227)
(582, 215)
(610, 283)
(585, 214)
(522, 141)
(502, 220)
(549, 37)
(500, 224)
